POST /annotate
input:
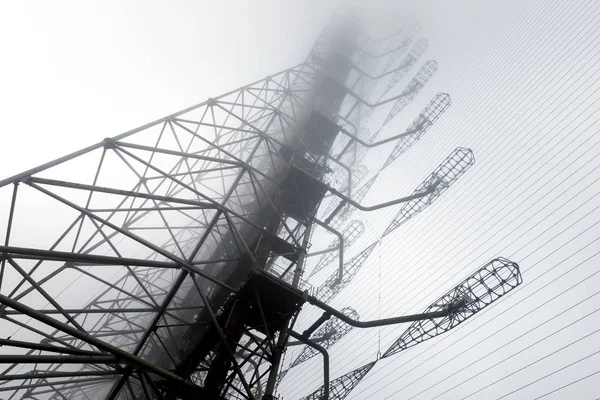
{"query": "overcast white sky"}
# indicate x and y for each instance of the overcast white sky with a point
(74, 72)
(522, 76)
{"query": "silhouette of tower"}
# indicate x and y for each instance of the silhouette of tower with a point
(175, 263)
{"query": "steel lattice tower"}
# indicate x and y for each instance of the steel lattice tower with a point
(181, 244)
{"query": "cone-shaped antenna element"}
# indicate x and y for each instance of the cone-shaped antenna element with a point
(410, 33)
(482, 288)
(335, 284)
(350, 233)
(282, 375)
(409, 61)
(341, 387)
(430, 114)
(412, 89)
(445, 175)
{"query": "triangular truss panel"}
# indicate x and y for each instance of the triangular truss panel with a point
(169, 261)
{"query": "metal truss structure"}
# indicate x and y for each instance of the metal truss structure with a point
(486, 285)
(448, 172)
(420, 125)
(342, 386)
(413, 88)
(445, 175)
(167, 262)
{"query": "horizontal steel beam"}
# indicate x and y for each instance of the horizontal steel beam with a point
(47, 347)
(120, 192)
(120, 354)
(356, 323)
(79, 258)
(23, 175)
(414, 196)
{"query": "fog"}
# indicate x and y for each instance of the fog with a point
(523, 78)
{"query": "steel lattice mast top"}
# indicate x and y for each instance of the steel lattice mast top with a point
(177, 252)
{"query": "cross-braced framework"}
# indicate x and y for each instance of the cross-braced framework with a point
(410, 60)
(171, 256)
(441, 178)
(166, 230)
(414, 87)
(178, 229)
(486, 285)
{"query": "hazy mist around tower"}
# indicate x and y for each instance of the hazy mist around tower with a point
(523, 78)
(75, 72)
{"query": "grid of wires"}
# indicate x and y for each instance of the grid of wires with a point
(525, 84)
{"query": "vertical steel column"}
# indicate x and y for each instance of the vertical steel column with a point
(283, 335)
